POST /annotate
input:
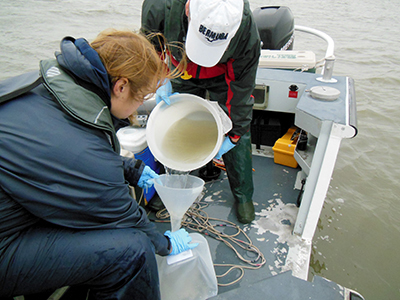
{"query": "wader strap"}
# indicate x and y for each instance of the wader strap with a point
(19, 85)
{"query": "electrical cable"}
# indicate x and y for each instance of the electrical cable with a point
(141, 197)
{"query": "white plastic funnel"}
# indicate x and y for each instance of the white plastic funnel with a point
(188, 133)
(178, 192)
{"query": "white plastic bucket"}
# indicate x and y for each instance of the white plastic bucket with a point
(134, 144)
(188, 133)
(132, 138)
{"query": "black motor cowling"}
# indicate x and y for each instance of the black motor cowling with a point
(276, 27)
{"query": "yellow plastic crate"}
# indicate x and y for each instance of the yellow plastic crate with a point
(284, 149)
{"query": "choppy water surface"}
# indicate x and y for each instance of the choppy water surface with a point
(357, 240)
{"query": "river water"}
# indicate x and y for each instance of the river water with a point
(357, 240)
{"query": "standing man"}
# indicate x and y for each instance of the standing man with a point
(222, 45)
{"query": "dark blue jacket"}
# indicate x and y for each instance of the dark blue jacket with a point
(59, 157)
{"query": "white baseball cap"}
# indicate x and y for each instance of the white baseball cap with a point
(212, 25)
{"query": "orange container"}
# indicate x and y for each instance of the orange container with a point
(284, 149)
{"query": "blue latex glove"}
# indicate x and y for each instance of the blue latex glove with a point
(164, 92)
(145, 180)
(225, 147)
(180, 241)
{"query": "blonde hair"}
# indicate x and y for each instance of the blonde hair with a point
(125, 53)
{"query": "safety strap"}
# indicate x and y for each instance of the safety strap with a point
(16, 86)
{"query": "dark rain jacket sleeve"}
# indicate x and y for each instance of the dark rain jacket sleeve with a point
(133, 169)
(65, 173)
(153, 16)
(242, 66)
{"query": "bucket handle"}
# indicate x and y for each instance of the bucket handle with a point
(225, 120)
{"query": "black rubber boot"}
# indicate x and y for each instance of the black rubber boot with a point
(239, 168)
(245, 212)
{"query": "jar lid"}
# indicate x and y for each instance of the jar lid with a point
(325, 93)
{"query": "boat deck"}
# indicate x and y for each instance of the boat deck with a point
(283, 272)
(271, 232)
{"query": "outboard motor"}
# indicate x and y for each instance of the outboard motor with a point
(276, 27)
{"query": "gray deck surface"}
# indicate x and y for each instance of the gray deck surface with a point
(274, 192)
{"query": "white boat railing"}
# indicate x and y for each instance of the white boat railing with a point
(331, 44)
(330, 50)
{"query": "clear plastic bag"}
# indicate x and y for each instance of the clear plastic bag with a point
(190, 279)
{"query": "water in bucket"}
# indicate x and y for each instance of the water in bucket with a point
(188, 133)
(191, 139)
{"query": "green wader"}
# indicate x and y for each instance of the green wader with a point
(238, 161)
